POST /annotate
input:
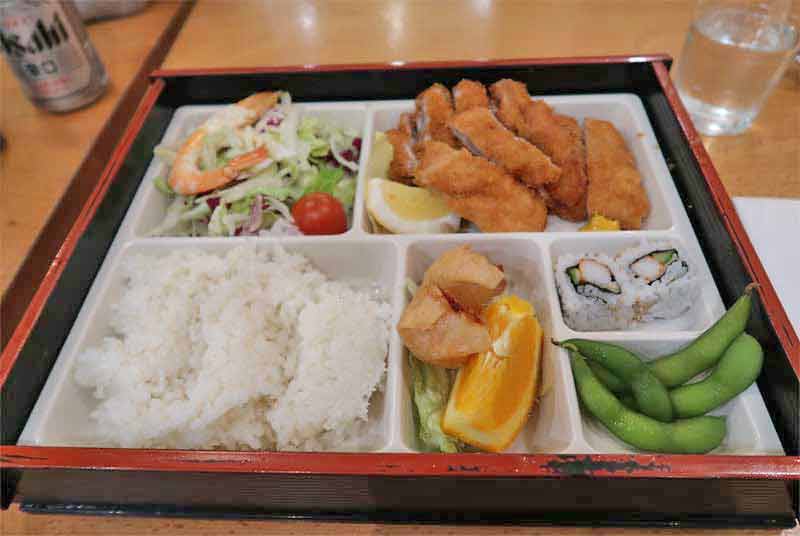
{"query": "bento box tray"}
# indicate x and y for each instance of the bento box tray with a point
(559, 446)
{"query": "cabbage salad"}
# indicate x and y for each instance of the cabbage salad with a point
(306, 154)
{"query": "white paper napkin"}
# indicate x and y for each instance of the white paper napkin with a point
(774, 228)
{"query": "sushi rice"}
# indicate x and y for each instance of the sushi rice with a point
(650, 281)
(663, 279)
(590, 308)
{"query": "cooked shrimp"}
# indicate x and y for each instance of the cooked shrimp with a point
(186, 178)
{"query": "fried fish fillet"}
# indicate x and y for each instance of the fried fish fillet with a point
(469, 94)
(436, 332)
(557, 135)
(480, 132)
(434, 108)
(466, 277)
(615, 185)
(479, 190)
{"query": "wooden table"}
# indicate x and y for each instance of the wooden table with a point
(765, 161)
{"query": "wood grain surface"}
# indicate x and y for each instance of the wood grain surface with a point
(43, 150)
(36, 168)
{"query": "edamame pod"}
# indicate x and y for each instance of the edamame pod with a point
(626, 398)
(614, 384)
(650, 394)
(739, 367)
(679, 367)
(688, 436)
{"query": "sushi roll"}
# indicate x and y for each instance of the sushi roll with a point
(592, 289)
(662, 278)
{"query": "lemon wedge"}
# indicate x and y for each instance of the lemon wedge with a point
(402, 209)
(494, 391)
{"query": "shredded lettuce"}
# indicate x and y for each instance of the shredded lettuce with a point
(430, 390)
(165, 154)
(215, 224)
(242, 206)
(326, 180)
(345, 192)
(162, 185)
(196, 213)
(308, 132)
(172, 219)
(265, 183)
(306, 154)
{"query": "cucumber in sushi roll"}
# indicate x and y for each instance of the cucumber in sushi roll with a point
(592, 290)
(662, 278)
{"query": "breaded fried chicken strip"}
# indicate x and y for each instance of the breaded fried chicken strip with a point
(557, 135)
(469, 94)
(480, 132)
(407, 123)
(434, 110)
(479, 190)
(404, 161)
(615, 185)
(402, 138)
(466, 277)
(437, 331)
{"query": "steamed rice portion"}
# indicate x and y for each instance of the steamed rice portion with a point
(249, 350)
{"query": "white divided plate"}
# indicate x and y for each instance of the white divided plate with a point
(61, 415)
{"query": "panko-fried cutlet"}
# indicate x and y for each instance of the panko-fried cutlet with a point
(404, 160)
(480, 132)
(467, 277)
(407, 123)
(615, 185)
(434, 108)
(558, 136)
(479, 190)
(469, 94)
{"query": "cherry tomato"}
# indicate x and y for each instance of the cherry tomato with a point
(319, 213)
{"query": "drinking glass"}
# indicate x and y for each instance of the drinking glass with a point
(735, 53)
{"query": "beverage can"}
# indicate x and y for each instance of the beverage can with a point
(49, 51)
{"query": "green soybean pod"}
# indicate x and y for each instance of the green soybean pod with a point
(651, 396)
(607, 378)
(681, 366)
(739, 367)
(688, 436)
(626, 398)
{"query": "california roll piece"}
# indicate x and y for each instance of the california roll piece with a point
(663, 280)
(593, 291)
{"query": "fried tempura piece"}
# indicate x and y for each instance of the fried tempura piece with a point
(480, 132)
(469, 94)
(466, 277)
(479, 190)
(404, 160)
(557, 135)
(437, 331)
(615, 185)
(434, 110)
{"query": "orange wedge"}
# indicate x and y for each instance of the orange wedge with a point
(494, 391)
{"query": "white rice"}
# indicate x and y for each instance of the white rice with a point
(248, 350)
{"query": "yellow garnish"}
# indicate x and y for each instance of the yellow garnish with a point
(600, 223)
